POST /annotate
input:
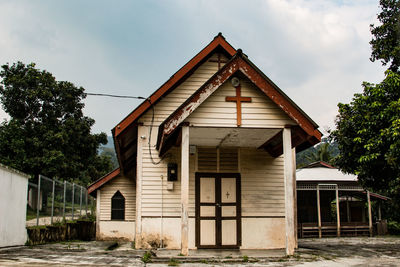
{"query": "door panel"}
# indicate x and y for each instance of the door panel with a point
(218, 210)
(207, 211)
(228, 232)
(207, 228)
(207, 190)
(228, 190)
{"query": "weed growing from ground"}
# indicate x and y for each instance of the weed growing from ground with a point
(245, 258)
(173, 262)
(146, 257)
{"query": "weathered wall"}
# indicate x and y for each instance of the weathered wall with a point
(127, 188)
(112, 230)
(115, 229)
(263, 233)
(13, 201)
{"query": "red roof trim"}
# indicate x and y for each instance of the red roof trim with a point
(219, 40)
(100, 182)
(319, 164)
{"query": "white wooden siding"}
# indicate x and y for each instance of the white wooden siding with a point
(179, 95)
(260, 112)
(127, 188)
(262, 183)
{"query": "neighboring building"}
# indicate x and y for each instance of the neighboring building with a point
(13, 201)
(207, 161)
(319, 187)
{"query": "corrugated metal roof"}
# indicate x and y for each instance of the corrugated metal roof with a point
(324, 174)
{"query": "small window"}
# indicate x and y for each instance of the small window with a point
(118, 206)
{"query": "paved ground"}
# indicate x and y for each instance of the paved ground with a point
(312, 252)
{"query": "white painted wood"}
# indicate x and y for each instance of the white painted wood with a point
(228, 190)
(185, 190)
(208, 234)
(289, 194)
(207, 211)
(207, 190)
(228, 231)
(139, 178)
(98, 213)
(127, 188)
(295, 198)
(337, 211)
(261, 112)
(228, 211)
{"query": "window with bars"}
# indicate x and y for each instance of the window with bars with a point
(217, 159)
(118, 206)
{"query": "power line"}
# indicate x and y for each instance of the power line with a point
(118, 96)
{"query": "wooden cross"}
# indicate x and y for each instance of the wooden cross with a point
(238, 99)
(219, 61)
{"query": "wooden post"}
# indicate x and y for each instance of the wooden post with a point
(369, 214)
(379, 211)
(289, 193)
(295, 198)
(348, 209)
(98, 198)
(337, 210)
(139, 178)
(185, 190)
(319, 213)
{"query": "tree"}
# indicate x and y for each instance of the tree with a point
(47, 132)
(324, 151)
(386, 37)
(368, 136)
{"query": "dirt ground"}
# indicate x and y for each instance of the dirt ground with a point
(362, 251)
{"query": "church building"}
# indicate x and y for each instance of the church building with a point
(207, 161)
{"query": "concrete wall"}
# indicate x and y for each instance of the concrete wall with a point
(13, 200)
(110, 230)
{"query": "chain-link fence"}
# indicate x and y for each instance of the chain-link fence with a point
(52, 201)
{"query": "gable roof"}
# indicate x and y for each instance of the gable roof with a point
(128, 125)
(101, 181)
(239, 62)
(218, 41)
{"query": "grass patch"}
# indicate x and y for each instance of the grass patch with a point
(173, 262)
(146, 257)
(204, 261)
(245, 258)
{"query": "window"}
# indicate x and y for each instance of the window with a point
(118, 206)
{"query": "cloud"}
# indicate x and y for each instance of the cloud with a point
(316, 51)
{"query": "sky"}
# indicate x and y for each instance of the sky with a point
(316, 51)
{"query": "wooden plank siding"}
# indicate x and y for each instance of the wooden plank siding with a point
(179, 95)
(127, 188)
(260, 113)
(262, 183)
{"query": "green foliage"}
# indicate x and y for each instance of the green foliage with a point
(245, 258)
(324, 151)
(146, 257)
(394, 228)
(109, 153)
(386, 36)
(173, 262)
(47, 133)
(368, 136)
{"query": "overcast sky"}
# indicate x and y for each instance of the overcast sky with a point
(316, 51)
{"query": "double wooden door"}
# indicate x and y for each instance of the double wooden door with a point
(218, 210)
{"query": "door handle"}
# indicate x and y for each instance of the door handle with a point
(218, 205)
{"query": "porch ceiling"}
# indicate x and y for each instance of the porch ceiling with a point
(230, 137)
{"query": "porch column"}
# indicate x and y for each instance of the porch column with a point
(289, 193)
(369, 214)
(185, 190)
(98, 196)
(348, 209)
(319, 213)
(295, 197)
(139, 178)
(337, 210)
